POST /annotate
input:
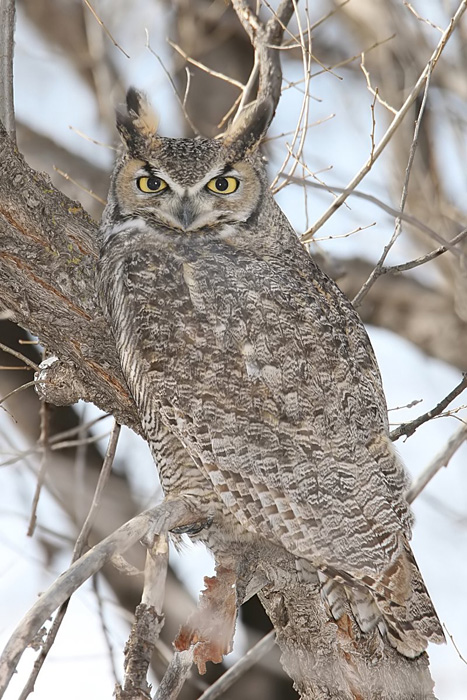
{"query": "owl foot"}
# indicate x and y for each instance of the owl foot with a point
(193, 528)
(211, 627)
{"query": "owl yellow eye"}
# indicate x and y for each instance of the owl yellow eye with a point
(151, 184)
(223, 185)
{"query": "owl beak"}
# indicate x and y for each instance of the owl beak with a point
(186, 213)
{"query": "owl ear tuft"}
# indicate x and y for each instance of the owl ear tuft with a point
(139, 121)
(246, 132)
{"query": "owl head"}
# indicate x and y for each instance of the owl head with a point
(186, 185)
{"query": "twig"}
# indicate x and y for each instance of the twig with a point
(325, 17)
(79, 441)
(282, 135)
(420, 18)
(454, 644)
(43, 441)
(96, 501)
(242, 666)
(45, 648)
(351, 59)
(187, 86)
(90, 139)
(160, 519)
(10, 368)
(206, 69)
(104, 626)
(299, 134)
(308, 235)
(379, 203)
(411, 264)
(7, 31)
(20, 356)
(170, 79)
(19, 388)
(374, 91)
(359, 229)
(408, 429)
(77, 551)
(357, 300)
(81, 187)
(411, 404)
(98, 19)
(373, 125)
(442, 460)
(55, 444)
(58, 437)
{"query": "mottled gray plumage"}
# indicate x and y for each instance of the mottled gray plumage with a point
(255, 380)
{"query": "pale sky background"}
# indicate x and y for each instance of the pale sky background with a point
(51, 98)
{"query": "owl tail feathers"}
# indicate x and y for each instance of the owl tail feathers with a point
(398, 604)
(408, 613)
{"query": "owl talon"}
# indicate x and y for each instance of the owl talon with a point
(192, 528)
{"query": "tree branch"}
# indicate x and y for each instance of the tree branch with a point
(441, 460)
(408, 429)
(308, 235)
(49, 251)
(7, 31)
(158, 520)
(265, 38)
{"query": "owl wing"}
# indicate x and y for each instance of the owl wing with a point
(261, 367)
(289, 422)
(285, 410)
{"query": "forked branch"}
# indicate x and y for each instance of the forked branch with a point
(265, 37)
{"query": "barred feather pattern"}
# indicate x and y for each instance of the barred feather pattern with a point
(236, 346)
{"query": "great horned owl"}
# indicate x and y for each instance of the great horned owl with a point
(239, 350)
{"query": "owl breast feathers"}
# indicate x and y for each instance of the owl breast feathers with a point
(236, 345)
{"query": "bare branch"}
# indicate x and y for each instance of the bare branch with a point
(7, 30)
(454, 644)
(420, 18)
(308, 235)
(20, 356)
(164, 517)
(265, 38)
(175, 676)
(398, 227)
(43, 442)
(147, 625)
(441, 460)
(252, 657)
(98, 19)
(206, 69)
(83, 536)
(408, 429)
(374, 91)
(411, 264)
(379, 203)
(180, 100)
(82, 187)
(79, 545)
(18, 389)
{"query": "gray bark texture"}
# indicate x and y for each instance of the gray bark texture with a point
(48, 252)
